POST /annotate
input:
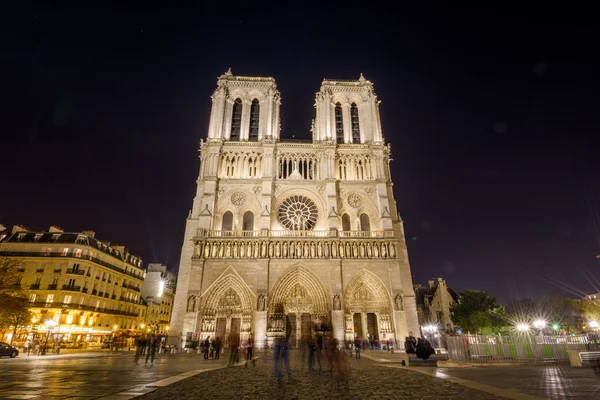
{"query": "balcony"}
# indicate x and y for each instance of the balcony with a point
(43, 304)
(71, 288)
(20, 269)
(94, 292)
(58, 271)
(100, 294)
(39, 270)
(88, 274)
(126, 286)
(34, 286)
(75, 272)
(73, 255)
(106, 295)
(97, 277)
(84, 290)
(114, 297)
(52, 287)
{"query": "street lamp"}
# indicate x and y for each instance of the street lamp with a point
(593, 324)
(522, 327)
(539, 324)
(50, 324)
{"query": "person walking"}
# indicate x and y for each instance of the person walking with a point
(357, 346)
(151, 349)
(249, 350)
(217, 347)
(312, 348)
(206, 347)
(234, 344)
(319, 350)
(281, 352)
(138, 350)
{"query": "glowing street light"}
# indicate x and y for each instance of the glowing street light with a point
(50, 324)
(539, 324)
(555, 327)
(593, 324)
(522, 327)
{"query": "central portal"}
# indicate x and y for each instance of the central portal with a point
(298, 301)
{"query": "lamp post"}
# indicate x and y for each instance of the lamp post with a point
(522, 327)
(539, 324)
(50, 324)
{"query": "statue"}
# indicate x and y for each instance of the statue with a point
(191, 304)
(261, 303)
(398, 301)
(337, 304)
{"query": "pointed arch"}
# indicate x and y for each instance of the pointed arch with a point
(365, 225)
(365, 292)
(346, 222)
(231, 287)
(309, 283)
(354, 123)
(339, 123)
(254, 120)
(236, 120)
(227, 224)
(248, 221)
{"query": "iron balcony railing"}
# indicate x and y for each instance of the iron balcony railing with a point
(34, 286)
(75, 272)
(52, 286)
(72, 288)
(71, 255)
(39, 270)
(43, 304)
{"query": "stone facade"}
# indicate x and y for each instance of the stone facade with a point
(435, 304)
(284, 236)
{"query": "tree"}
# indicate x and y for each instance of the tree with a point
(15, 305)
(15, 313)
(590, 309)
(478, 312)
(563, 311)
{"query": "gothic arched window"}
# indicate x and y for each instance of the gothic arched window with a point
(345, 222)
(364, 222)
(236, 120)
(355, 125)
(248, 224)
(339, 123)
(254, 115)
(227, 221)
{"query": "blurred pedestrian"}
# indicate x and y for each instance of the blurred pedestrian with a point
(319, 350)
(249, 350)
(151, 349)
(312, 348)
(234, 344)
(357, 346)
(217, 347)
(424, 349)
(206, 347)
(281, 352)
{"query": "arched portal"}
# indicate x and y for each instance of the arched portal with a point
(367, 308)
(297, 302)
(226, 309)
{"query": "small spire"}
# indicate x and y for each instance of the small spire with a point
(228, 73)
(362, 78)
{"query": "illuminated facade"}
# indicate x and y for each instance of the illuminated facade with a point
(285, 235)
(87, 286)
(158, 292)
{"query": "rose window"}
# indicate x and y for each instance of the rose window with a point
(298, 213)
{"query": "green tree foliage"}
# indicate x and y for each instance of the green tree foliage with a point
(14, 309)
(478, 312)
(590, 309)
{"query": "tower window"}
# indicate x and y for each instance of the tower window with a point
(364, 222)
(254, 117)
(236, 120)
(355, 125)
(248, 224)
(345, 222)
(339, 124)
(227, 221)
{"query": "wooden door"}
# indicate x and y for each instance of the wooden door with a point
(372, 326)
(290, 329)
(306, 328)
(357, 325)
(234, 333)
(221, 327)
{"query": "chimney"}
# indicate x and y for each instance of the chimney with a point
(431, 283)
(89, 233)
(55, 229)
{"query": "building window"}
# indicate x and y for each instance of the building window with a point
(248, 224)
(37, 281)
(355, 125)
(254, 118)
(67, 299)
(364, 222)
(78, 252)
(345, 222)
(65, 251)
(236, 120)
(339, 123)
(227, 221)
(49, 299)
(32, 297)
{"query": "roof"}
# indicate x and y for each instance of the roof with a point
(72, 238)
(422, 293)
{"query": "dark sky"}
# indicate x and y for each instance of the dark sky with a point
(493, 118)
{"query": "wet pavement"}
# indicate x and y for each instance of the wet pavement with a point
(367, 379)
(551, 381)
(99, 375)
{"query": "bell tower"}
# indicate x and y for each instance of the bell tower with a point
(347, 112)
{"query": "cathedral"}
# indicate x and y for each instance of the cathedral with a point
(286, 237)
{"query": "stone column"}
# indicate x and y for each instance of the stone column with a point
(337, 321)
(260, 329)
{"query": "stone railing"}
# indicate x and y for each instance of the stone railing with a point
(294, 248)
(293, 234)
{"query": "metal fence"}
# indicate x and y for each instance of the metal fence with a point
(519, 348)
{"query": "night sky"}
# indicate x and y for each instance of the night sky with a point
(493, 119)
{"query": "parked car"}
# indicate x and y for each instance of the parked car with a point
(8, 350)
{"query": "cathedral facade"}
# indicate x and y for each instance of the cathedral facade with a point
(285, 237)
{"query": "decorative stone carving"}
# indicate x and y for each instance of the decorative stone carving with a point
(369, 191)
(298, 213)
(398, 303)
(354, 200)
(337, 303)
(256, 189)
(261, 303)
(191, 304)
(238, 198)
(221, 190)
